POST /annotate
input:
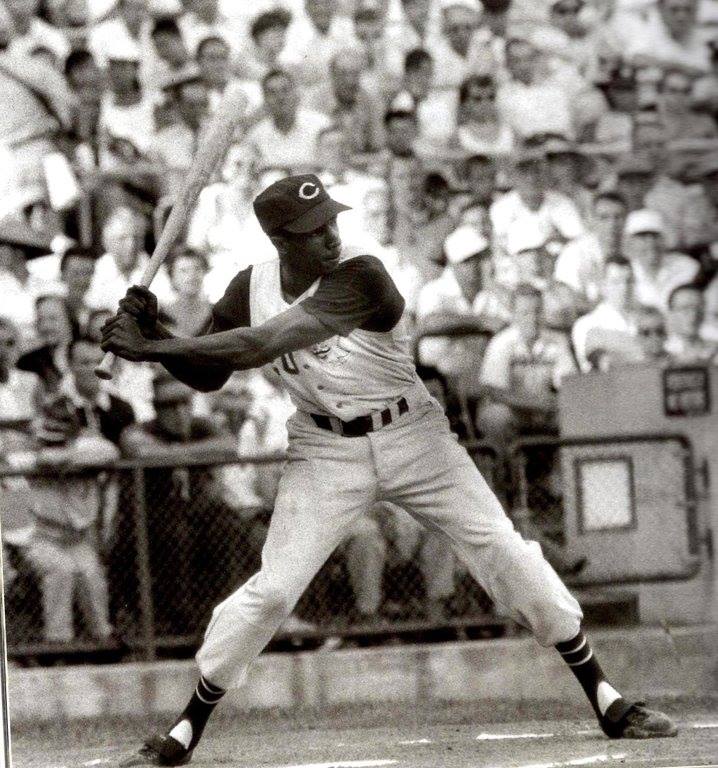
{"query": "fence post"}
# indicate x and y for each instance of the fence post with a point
(147, 618)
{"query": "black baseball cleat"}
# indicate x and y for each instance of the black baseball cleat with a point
(633, 720)
(160, 749)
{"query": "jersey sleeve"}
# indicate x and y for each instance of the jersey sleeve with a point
(232, 310)
(359, 293)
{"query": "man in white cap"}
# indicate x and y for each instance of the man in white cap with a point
(462, 297)
(657, 272)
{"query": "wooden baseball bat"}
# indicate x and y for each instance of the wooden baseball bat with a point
(210, 152)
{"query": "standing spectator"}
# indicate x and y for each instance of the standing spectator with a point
(287, 137)
(190, 310)
(580, 263)
(123, 262)
(54, 332)
(30, 31)
(127, 120)
(313, 39)
(77, 266)
(19, 390)
(174, 146)
(463, 297)
(521, 373)
(686, 312)
(268, 32)
(679, 118)
(657, 272)
(612, 316)
(348, 104)
(64, 545)
(531, 204)
(669, 36)
(481, 130)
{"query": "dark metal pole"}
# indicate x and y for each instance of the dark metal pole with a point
(147, 618)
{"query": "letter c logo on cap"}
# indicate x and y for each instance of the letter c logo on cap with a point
(305, 191)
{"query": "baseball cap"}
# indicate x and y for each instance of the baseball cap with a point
(644, 222)
(298, 204)
(463, 243)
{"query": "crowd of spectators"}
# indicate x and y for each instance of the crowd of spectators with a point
(542, 176)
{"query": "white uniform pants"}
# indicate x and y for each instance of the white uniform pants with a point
(330, 481)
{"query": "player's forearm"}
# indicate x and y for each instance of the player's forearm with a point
(239, 349)
(205, 379)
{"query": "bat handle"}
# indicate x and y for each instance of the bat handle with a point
(104, 369)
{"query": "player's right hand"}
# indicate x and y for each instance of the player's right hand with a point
(141, 303)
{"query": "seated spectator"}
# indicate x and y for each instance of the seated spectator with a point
(679, 118)
(19, 287)
(709, 331)
(349, 104)
(481, 130)
(528, 101)
(313, 38)
(420, 22)
(531, 204)
(86, 83)
(521, 373)
(53, 329)
(432, 221)
(704, 95)
(634, 177)
(613, 132)
(669, 36)
(28, 30)
(707, 175)
(19, 390)
(190, 310)
(651, 332)
(613, 314)
(686, 312)
(381, 45)
(657, 272)
(64, 548)
(123, 262)
(268, 32)
(479, 174)
(462, 298)
(580, 263)
(567, 170)
(186, 514)
(206, 18)
(174, 146)
(171, 51)
(77, 266)
(459, 50)
(214, 61)
(287, 136)
(127, 114)
(130, 24)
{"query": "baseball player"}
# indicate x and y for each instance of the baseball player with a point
(329, 322)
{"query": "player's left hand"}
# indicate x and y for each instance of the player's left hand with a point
(121, 334)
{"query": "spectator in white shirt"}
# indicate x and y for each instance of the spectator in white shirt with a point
(657, 272)
(190, 309)
(613, 316)
(19, 390)
(481, 129)
(669, 36)
(313, 38)
(521, 373)
(268, 33)
(204, 18)
(580, 263)
(130, 24)
(123, 262)
(287, 137)
(214, 60)
(463, 297)
(686, 312)
(126, 113)
(170, 49)
(531, 204)
(29, 31)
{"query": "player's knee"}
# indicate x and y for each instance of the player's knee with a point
(276, 601)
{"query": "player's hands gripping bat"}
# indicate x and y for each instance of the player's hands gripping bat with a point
(212, 150)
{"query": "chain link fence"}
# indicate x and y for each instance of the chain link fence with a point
(137, 577)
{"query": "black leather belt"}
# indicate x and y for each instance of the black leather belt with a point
(362, 425)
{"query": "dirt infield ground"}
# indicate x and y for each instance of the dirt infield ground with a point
(454, 735)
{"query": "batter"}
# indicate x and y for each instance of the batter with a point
(366, 429)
